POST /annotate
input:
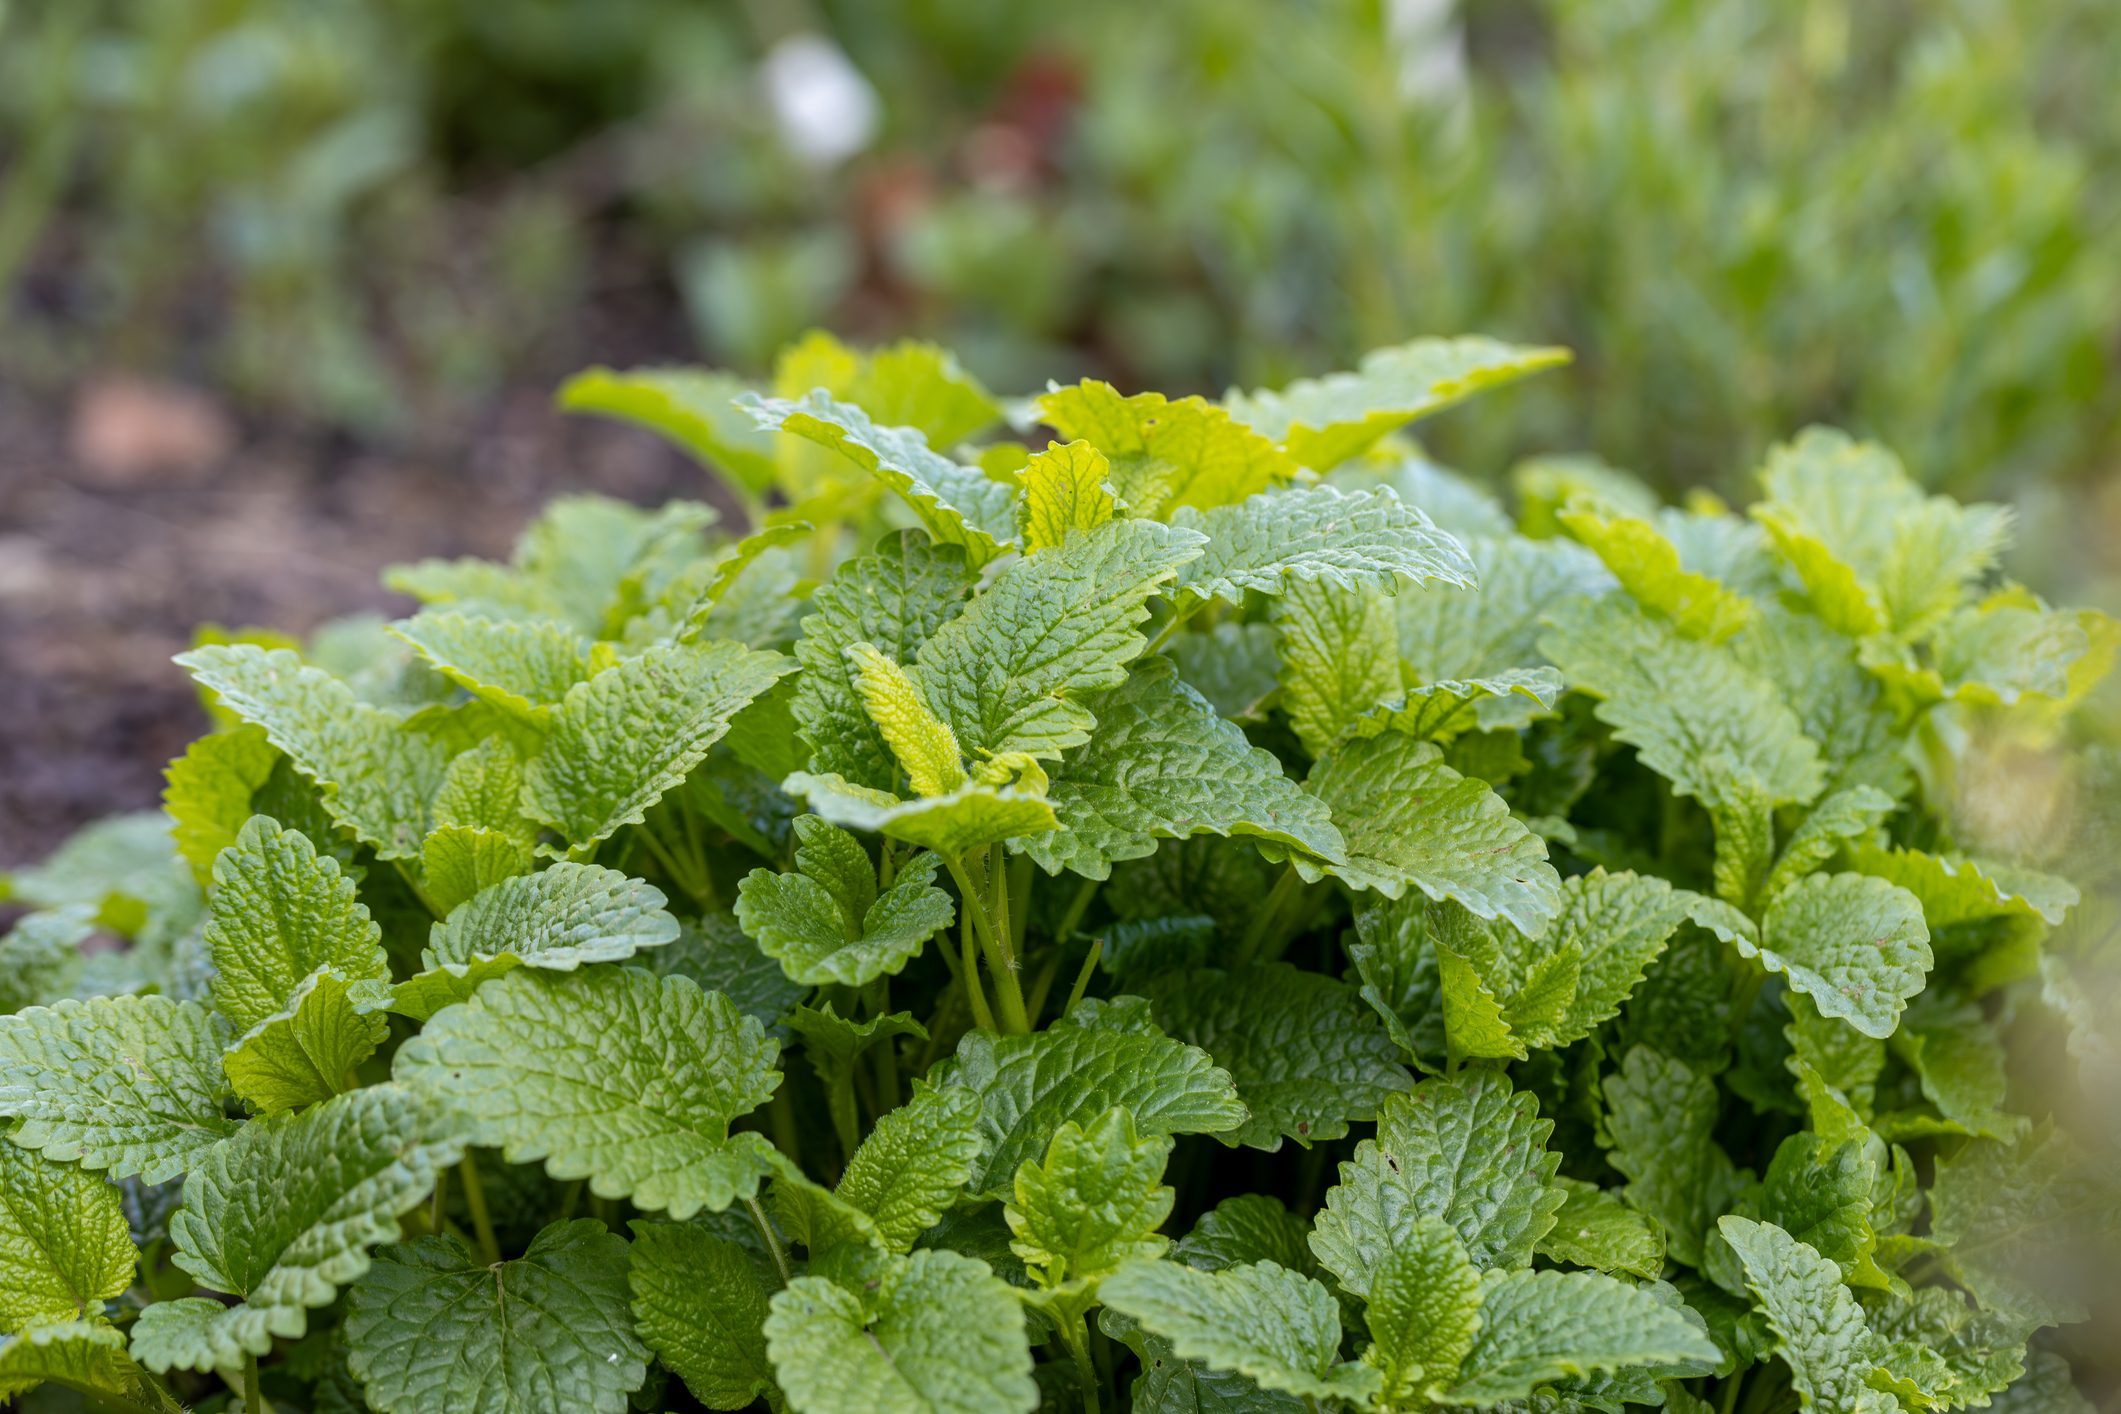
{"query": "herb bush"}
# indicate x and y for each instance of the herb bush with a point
(1207, 915)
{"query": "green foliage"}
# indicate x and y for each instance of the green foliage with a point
(1235, 946)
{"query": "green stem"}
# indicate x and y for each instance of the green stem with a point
(411, 882)
(1731, 1388)
(1077, 907)
(1000, 965)
(475, 1199)
(780, 1114)
(1285, 888)
(254, 1400)
(772, 1240)
(1082, 978)
(878, 995)
(1020, 879)
(441, 1203)
(968, 974)
(1172, 625)
(570, 1199)
(1075, 1334)
(680, 874)
(1035, 1007)
(998, 901)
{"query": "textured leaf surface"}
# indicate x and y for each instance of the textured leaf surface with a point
(1007, 673)
(376, 774)
(307, 1051)
(939, 1334)
(914, 1162)
(283, 1215)
(1856, 945)
(620, 740)
(1661, 1114)
(1648, 568)
(1308, 1057)
(1338, 663)
(1095, 1199)
(1167, 454)
(522, 666)
(1259, 1320)
(1465, 1150)
(1325, 421)
(1361, 540)
(433, 1330)
(1442, 710)
(1693, 712)
(1448, 634)
(561, 917)
(1066, 487)
(129, 1084)
(958, 504)
(698, 1305)
(1409, 820)
(612, 1075)
(826, 927)
(1029, 1086)
(1423, 1312)
(84, 1356)
(209, 790)
(1595, 1229)
(924, 746)
(1541, 1326)
(1162, 765)
(1819, 1329)
(893, 598)
(64, 1245)
(965, 819)
(279, 912)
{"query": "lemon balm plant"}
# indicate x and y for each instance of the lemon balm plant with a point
(1100, 902)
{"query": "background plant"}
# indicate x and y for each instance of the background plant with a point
(1260, 927)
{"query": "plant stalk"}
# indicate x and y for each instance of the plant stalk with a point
(1000, 965)
(772, 1240)
(475, 1199)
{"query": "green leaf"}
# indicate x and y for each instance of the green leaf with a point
(1840, 705)
(561, 918)
(1093, 1202)
(1339, 663)
(938, 1334)
(1467, 1150)
(2048, 1388)
(1250, 1227)
(2012, 1217)
(1234, 666)
(1306, 1055)
(279, 912)
(40, 956)
(307, 1050)
(87, 1357)
(1007, 673)
(129, 1084)
(1856, 945)
(1279, 1329)
(1874, 553)
(698, 1305)
(1819, 1191)
(914, 1163)
(1325, 421)
(834, 1043)
(209, 790)
(1819, 1329)
(1439, 711)
(377, 775)
(64, 1245)
(1692, 711)
(1660, 1118)
(1423, 1313)
(1167, 454)
(1162, 765)
(919, 385)
(620, 740)
(1029, 1086)
(828, 923)
(693, 407)
(1847, 814)
(1066, 487)
(1618, 923)
(610, 1074)
(1365, 540)
(283, 1215)
(2001, 652)
(923, 744)
(1537, 1327)
(524, 667)
(895, 597)
(1408, 819)
(1594, 1228)
(458, 861)
(957, 504)
(1647, 566)
(1448, 634)
(433, 1330)
(966, 819)
(715, 953)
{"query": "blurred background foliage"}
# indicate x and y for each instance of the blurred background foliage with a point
(1900, 216)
